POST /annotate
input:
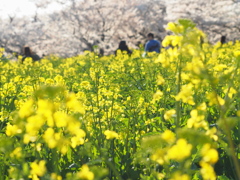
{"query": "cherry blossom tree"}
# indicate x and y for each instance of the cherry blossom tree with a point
(86, 24)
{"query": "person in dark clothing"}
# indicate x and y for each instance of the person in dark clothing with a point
(223, 39)
(123, 47)
(28, 53)
(152, 44)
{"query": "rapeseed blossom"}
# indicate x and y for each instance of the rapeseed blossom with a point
(17, 152)
(179, 176)
(169, 114)
(207, 171)
(179, 151)
(130, 95)
(54, 176)
(215, 99)
(160, 80)
(168, 136)
(111, 134)
(202, 107)
(85, 173)
(12, 130)
(27, 109)
(209, 154)
(38, 168)
(74, 105)
(230, 91)
(159, 156)
(212, 133)
(197, 120)
(186, 94)
(175, 28)
(157, 96)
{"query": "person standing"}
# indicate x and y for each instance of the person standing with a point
(223, 39)
(152, 45)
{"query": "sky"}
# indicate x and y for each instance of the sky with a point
(21, 8)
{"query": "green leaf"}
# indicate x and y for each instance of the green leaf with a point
(186, 23)
(193, 136)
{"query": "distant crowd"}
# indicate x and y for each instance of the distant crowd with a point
(152, 45)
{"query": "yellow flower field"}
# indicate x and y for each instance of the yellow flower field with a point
(174, 115)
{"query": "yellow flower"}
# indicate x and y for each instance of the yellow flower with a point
(179, 176)
(73, 104)
(75, 141)
(168, 136)
(54, 176)
(160, 176)
(159, 156)
(49, 81)
(209, 154)
(39, 147)
(27, 109)
(177, 40)
(175, 27)
(215, 99)
(74, 128)
(63, 145)
(169, 114)
(167, 41)
(32, 127)
(27, 138)
(186, 94)
(60, 118)
(162, 58)
(196, 120)
(17, 152)
(237, 53)
(12, 130)
(212, 133)
(34, 177)
(160, 80)
(46, 109)
(202, 107)
(85, 85)
(49, 137)
(59, 79)
(220, 67)
(230, 92)
(179, 151)
(158, 95)
(171, 26)
(85, 174)
(111, 134)
(38, 169)
(207, 171)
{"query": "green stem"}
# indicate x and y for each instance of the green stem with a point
(111, 166)
(228, 133)
(178, 103)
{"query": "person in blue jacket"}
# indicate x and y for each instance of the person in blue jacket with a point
(152, 44)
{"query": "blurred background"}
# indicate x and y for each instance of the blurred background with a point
(68, 27)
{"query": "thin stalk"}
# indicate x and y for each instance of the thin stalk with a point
(111, 166)
(178, 103)
(229, 137)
